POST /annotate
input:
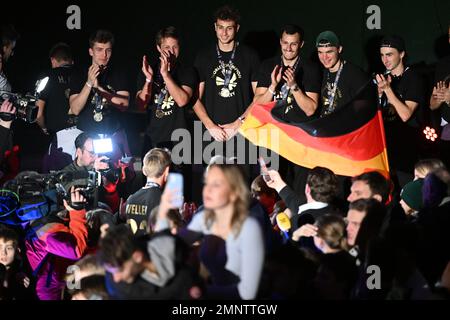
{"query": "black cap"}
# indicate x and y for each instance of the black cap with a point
(393, 42)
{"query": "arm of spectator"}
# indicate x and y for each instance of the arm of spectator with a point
(307, 230)
(275, 182)
(7, 107)
(72, 243)
(290, 198)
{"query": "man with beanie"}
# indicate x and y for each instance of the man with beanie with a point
(411, 197)
(400, 93)
(342, 81)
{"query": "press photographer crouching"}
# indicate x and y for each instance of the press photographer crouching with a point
(87, 159)
(53, 243)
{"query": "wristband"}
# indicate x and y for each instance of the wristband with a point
(271, 91)
(88, 84)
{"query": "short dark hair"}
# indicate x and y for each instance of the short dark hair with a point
(101, 36)
(7, 234)
(81, 140)
(167, 32)
(323, 184)
(227, 12)
(61, 52)
(9, 35)
(292, 29)
(117, 246)
(377, 183)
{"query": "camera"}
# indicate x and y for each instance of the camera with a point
(25, 104)
(37, 195)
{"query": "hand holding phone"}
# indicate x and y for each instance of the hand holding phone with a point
(264, 171)
(175, 186)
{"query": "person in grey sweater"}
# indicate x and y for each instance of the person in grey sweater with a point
(232, 245)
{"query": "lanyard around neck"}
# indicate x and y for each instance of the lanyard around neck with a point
(332, 95)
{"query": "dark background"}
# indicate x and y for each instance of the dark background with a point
(423, 25)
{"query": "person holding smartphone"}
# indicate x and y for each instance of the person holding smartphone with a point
(232, 245)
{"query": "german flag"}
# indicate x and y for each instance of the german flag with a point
(349, 141)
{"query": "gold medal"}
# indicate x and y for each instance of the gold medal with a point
(159, 113)
(98, 116)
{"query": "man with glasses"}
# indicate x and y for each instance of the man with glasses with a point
(86, 158)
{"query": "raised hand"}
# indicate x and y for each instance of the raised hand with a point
(147, 70)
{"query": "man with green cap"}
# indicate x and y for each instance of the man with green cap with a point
(342, 81)
(411, 197)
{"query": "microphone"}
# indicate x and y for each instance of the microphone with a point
(284, 223)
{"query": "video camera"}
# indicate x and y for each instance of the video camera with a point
(31, 195)
(25, 104)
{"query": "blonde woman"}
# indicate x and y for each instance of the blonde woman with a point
(232, 245)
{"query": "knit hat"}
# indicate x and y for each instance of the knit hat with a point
(327, 39)
(412, 194)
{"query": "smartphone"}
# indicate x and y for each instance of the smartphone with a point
(264, 171)
(175, 182)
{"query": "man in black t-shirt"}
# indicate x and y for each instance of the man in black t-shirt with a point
(290, 78)
(342, 81)
(53, 116)
(228, 76)
(164, 90)
(156, 166)
(401, 93)
(297, 81)
(98, 94)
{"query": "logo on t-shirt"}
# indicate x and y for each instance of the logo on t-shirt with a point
(166, 106)
(226, 78)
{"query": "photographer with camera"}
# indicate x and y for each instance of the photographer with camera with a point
(53, 116)
(88, 160)
(53, 243)
(99, 93)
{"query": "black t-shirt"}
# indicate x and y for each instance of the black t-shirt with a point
(166, 118)
(307, 76)
(111, 80)
(407, 87)
(56, 97)
(402, 137)
(353, 82)
(225, 103)
(139, 206)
